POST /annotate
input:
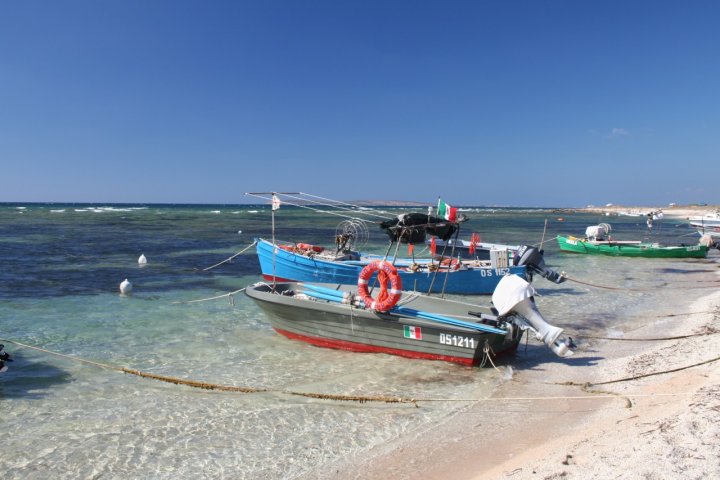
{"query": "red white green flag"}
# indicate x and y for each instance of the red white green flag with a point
(446, 211)
(413, 332)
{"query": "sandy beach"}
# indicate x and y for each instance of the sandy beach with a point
(637, 409)
(675, 211)
(539, 427)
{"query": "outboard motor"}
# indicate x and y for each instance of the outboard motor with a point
(532, 258)
(709, 241)
(515, 295)
(598, 232)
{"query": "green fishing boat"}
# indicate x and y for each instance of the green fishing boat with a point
(630, 248)
(597, 241)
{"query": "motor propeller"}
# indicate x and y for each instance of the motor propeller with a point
(514, 295)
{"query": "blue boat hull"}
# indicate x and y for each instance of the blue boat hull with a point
(283, 265)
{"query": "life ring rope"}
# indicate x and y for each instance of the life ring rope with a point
(387, 275)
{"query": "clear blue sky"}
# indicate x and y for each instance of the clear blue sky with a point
(534, 103)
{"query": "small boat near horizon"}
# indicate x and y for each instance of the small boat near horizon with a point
(713, 232)
(707, 224)
(417, 326)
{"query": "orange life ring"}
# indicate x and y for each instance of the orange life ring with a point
(387, 274)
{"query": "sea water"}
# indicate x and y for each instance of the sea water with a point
(68, 412)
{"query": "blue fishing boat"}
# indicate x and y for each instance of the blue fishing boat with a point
(444, 273)
(285, 262)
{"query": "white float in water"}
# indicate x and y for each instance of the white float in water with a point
(125, 287)
(239, 232)
(142, 260)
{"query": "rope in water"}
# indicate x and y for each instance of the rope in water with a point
(563, 274)
(637, 377)
(371, 398)
(651, 339)
(229, 295)
(230, 258)
(628, 289)
(215, 386)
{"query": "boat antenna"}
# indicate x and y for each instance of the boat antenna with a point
(452, 254)
(275, 205)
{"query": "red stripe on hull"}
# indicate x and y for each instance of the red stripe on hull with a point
(361, 347)
(276, 279)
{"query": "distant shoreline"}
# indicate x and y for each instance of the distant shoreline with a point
(682, 211)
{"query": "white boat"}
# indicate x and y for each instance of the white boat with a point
(713, 232)
(710, 221)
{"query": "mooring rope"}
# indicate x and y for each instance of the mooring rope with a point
(192, 383)
(651, 339)
(229, 295)
(215, 386)
(595, 394)
(637, 377)
(646, 289)
(230, 258)
(607, 287)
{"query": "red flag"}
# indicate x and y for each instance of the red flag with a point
(411, 248)
(433, 246)
(474, 241)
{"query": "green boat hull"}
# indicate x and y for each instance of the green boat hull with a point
(647, 250)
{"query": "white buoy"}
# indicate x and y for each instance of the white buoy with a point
(239, 232)
(126, 287)
(142, 260)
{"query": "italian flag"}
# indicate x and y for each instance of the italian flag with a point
(413, 332)
(446, 211)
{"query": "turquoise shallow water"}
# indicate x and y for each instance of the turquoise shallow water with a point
(62, 265)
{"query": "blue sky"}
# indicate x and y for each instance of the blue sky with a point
(532, 103)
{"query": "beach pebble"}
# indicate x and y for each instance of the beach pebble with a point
(125, 287)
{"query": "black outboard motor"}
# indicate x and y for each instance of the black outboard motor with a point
(532, 258)
(4, 357)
